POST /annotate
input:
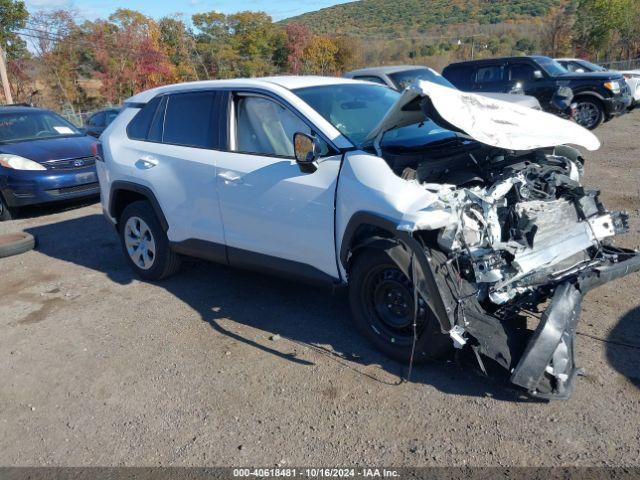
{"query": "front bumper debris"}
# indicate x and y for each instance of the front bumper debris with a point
(547, 366)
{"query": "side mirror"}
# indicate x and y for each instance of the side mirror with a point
(537, 74)
(307, 151)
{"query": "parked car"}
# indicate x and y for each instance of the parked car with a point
(632, 77)
(100, 120)
(43, 159)
(599, 96)
(401, 76)
(447, 214)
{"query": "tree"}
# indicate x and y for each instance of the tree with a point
(320, 56)
(557, 32)
(298, 37)
(178, 42)
(128, 54)
(609, 26)
(13, 16)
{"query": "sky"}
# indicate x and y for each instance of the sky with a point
(92, 9)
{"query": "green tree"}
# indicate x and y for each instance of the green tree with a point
(13, 15)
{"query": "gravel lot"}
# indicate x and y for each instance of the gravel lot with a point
(223, 367)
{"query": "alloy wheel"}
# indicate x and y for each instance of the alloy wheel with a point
(587, 114)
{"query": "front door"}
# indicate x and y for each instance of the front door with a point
(275, 216)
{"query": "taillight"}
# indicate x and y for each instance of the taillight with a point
(96, 151)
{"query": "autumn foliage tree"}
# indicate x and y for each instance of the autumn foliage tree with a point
(128, 54)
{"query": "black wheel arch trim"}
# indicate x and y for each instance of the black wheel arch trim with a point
(124, 186)
(588, 93)
(402, 247)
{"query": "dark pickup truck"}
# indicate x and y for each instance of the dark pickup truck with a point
(598, 96)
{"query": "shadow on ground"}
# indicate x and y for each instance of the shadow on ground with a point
(623, 346)
(33, 211)
(304, 314)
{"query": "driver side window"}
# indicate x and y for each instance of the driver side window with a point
(265, 127)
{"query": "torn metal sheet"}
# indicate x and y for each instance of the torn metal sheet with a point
(488, 120)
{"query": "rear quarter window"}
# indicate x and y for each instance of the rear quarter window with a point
(460, 76)
(490, 74)
(138, 128)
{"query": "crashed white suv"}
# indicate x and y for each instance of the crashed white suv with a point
(449, 215)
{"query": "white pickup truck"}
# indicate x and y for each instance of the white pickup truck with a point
(449, 215)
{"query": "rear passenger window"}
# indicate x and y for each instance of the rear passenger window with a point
(138, 128)
(461, 77)
(521, 72)
(189, 120)
(489, 74)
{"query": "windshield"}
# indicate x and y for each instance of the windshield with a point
(550, 66)
(37, 125)
(354, 109)
(591, 67)
(403, 79)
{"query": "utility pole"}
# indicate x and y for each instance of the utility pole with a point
(4, 78)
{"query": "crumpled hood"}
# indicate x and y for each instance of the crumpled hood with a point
(487, 120)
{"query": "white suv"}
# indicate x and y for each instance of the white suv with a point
(449, 215)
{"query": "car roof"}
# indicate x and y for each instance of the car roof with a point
(21, 109)
(108, 109)
(289, 82)
(385, 70)
(495, 59)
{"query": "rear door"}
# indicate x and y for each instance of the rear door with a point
(177, 160)
(523, 72)
(491, 77)
(276, 217)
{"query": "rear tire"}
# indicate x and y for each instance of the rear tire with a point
(145, 243)
(382, 305)
(589, 113)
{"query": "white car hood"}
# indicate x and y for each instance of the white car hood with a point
(487, 120)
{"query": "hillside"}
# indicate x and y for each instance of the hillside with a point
(386, 18)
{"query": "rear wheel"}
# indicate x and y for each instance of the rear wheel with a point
(382, 304)
(145, 243)
(589, 113)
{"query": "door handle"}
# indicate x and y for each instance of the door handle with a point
(230, 177)
(145, 163)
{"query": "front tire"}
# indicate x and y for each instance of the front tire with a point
(5, 212)
(145, 243)
(589, 113)
(382, 305)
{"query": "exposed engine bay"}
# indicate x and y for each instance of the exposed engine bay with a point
(522, 236)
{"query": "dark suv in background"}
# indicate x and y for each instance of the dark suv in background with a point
(598, 96)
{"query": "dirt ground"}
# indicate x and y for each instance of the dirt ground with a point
(223, 367)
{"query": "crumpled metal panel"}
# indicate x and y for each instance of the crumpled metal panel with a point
(488, 120)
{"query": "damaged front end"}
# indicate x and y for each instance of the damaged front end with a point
(513, 238)
(533, 241)
(527, 247)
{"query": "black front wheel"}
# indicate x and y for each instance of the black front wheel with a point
(383, 308)
(589, 113)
